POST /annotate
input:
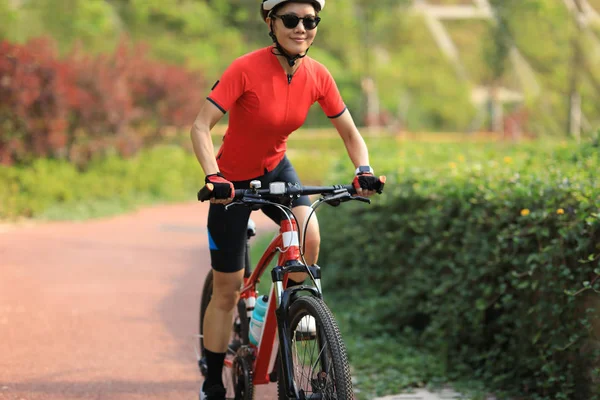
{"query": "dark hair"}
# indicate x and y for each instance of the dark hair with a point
(265, 13)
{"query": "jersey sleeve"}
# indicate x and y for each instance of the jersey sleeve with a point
(331, 101)
(229, 87)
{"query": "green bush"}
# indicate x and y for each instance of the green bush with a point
(57, 189)
(485, 256)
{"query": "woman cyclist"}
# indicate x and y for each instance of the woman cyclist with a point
(268, 93)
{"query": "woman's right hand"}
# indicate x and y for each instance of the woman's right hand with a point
(221, 190)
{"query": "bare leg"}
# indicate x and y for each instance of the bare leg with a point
(313, 239)
(219, 313)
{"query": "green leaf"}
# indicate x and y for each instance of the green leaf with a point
(523, 284)
(480, 304)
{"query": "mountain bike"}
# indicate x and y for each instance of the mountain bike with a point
(307, 358)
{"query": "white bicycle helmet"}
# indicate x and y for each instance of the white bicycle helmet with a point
(267, 9)
(268, 5)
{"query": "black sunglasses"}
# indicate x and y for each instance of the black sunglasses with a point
(291, 21)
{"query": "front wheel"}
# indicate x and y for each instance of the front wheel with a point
(319, 361)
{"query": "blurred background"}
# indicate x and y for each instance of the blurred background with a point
(484, 114)
(514, 67)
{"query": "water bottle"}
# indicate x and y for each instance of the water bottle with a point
(258, 319)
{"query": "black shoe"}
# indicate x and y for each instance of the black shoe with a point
(215, 392)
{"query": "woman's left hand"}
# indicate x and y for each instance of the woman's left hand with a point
(366, 184)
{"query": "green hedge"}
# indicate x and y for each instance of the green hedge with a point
(485, 256)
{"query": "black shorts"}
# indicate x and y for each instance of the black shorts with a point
(227, 230)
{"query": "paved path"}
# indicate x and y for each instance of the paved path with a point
(104, 309)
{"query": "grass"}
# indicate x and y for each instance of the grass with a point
(385, 365)
(95, 208)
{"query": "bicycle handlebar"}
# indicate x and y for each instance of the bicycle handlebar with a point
(279, 190)
(284, 190)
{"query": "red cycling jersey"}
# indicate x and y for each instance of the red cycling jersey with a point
(266, 106)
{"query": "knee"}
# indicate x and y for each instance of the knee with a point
(312, 244)
(225, 300)
(313, 238)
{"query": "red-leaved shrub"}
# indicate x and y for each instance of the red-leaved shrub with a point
(81, 106)
(33, 109)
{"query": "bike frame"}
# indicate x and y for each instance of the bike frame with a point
(287, 243)
(288, 246)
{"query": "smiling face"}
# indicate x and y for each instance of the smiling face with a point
(295, 40)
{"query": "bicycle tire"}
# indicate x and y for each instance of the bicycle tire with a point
(327, 338)
(244, 388)
(239, 335)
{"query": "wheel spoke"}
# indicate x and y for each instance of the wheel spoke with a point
(319, 364)
(314, 372)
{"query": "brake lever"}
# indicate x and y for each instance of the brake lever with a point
(255, 203)
(233, 203)
(362, 199)
(337, 199)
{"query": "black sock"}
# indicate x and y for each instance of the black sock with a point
(214, 366)
(291, 283)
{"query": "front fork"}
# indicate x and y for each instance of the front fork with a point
(285, 297)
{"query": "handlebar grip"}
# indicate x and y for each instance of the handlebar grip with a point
(238, 194)
(206, 192)
(380, 184)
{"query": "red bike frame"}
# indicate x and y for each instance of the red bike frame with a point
(287, 244)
